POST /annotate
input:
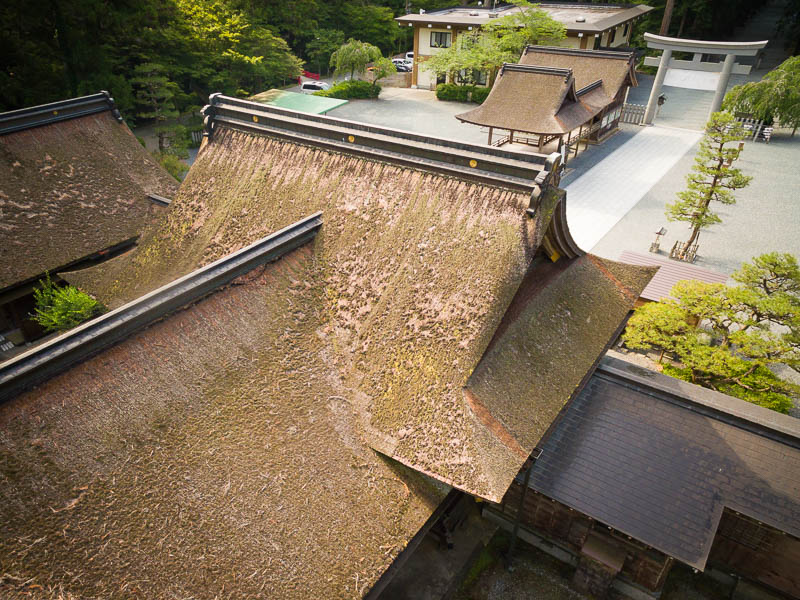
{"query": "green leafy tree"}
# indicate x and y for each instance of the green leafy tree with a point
(381, 68)
(59, 308)
(529, 25)
(470, 55)
(501, 40)
(775, 97)
(712, 178)
(354, 56)
(154, 96)
(325, 43)
(372, 24)
(726, 337)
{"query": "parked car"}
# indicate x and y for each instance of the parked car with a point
(403, 65)
(410, 55)
(309, 87)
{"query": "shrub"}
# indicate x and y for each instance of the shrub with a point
(353, 89)
(453, 92)
(479, 94)
(172, 164)
(59, 308)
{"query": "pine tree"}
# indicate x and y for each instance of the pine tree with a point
(712, 178)
(154, 93)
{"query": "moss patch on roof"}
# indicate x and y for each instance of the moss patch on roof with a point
(559, 324)
(215, 454)
(416, 270)
(71, 189)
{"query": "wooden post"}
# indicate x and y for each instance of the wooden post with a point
(510, 136)
(578, 141)
(490, 135)
(541, 140)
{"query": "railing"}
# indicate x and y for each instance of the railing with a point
(632, 113)
(680, 251)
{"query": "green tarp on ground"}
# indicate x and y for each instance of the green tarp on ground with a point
(307, 103)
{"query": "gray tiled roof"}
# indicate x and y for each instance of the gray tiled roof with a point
(659, 459)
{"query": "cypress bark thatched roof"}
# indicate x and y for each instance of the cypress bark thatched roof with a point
(553, 90)
(70, 189)
(245, 424)
(213, 454)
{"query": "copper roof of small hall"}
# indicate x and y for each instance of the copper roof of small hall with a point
(229, 445)
(73, 181)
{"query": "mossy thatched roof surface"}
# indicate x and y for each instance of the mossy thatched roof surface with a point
(216, 454)
(418, 270)
(558, 326)
(70, 189)
(587, 67)
(533, 102)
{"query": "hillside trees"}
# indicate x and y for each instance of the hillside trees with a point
(726, 337)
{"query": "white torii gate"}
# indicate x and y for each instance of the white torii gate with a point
(730, 49)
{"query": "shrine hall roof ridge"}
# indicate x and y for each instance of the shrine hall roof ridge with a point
(53, 112)
(521, 170)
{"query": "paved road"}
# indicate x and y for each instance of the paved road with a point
(413, 110)
(602, 195)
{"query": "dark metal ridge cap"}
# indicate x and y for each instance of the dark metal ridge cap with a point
(57, 355)
(588, 88)
(565, 73)
(727, 409)
(613, 54)
(45, 114)
(395, 142)
(408, 136)
(474, 174)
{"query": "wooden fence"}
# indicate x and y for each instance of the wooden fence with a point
(632, 113)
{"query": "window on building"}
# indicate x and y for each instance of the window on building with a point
(626, 30)
(613, 36)
(440, 39)
(474, 77)
(596, 42)
(441, 78)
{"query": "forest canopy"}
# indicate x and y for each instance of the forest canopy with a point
(57, 49)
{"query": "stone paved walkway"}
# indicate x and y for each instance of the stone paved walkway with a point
(600, 197)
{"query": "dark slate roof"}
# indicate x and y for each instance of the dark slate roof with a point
(73, 181)
(658, 459)
(669, 273)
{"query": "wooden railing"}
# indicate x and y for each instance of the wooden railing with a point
(632, 113)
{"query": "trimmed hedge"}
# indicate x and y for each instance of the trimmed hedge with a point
(479, 94)
(461, 93)
(351, 90)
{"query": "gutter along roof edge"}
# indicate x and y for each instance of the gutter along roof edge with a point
(518, 170)
(63, 110)
(716, 405)
(57, 355)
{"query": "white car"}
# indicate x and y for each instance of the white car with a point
(410, 55)
(403, 62)
(309, 87)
